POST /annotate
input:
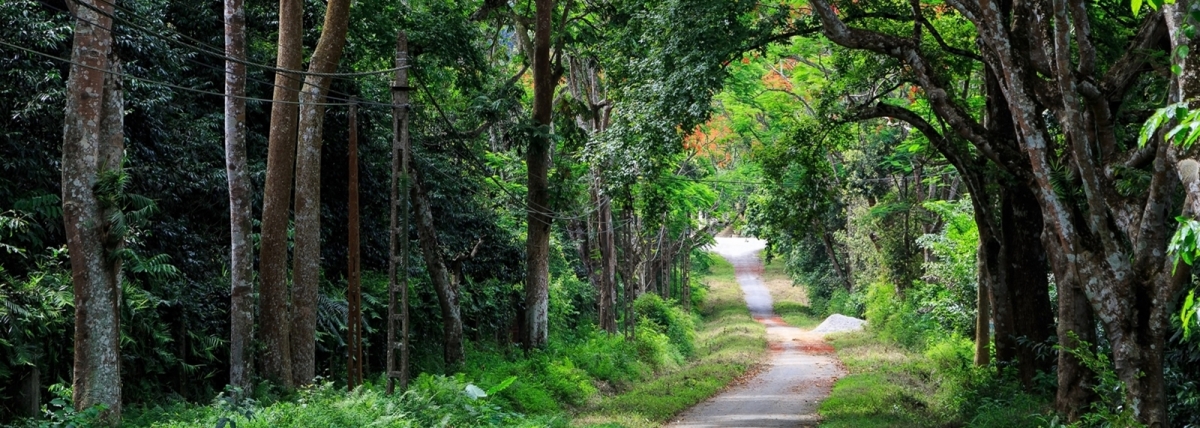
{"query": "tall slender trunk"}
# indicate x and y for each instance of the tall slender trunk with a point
(537, 159)
(241, 252)
(277, 194)
(443, 284)
(685, 279)
(307, 259)
(93, 142)
(983, 310)
(354, 342)
(608, 265)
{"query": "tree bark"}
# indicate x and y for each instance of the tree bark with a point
(439, 274)
(1075, 325)
(1027, 284)
(93, 142)
(307, 259)
(983, 307)
(608, 266)
(537, 159)
(241, 251)
(354, 354)
(685, 279)
(277, 195)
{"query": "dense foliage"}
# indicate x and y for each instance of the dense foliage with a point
(980, 188)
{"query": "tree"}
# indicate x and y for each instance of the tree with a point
(307, 260)
(241, 266)
(1111, 240)
(277, 195)
(444, 284)
(537, 159)
(93, 153)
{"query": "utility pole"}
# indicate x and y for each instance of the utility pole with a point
(398, 243)
(353, 270)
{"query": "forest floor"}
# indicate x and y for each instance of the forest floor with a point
(802, 367)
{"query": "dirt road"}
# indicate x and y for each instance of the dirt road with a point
(798, 375)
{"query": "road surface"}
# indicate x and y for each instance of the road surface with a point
(799, 373)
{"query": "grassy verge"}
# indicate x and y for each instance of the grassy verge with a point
(728, 343)
(791, 299)
(893, 386)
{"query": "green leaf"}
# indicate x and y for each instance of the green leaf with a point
(1151, 126)
(1136, 5)
(1189, 311)
(502, 385)
(1176, 69)
(1192, 136)
(1182, 51)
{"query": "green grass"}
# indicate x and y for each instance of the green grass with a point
(728, 343)
(888, 386)
(893, 386)
(790, 299)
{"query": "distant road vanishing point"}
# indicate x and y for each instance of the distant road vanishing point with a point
(799, 373)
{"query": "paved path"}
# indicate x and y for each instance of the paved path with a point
(798, 375)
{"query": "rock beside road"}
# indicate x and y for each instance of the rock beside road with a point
(839, 323)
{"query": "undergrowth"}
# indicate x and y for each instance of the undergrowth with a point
(906, 372)
(674, 360)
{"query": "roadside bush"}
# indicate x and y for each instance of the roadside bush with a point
(610, 358)
(430, 401)
(678, 326)
(654, 347)
(569, 382)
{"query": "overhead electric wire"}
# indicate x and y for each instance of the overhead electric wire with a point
(330, 93)
(207, 49)
(164, 84)
(203, 48)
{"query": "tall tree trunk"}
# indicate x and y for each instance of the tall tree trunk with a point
(443, 284)
(608, 265)
(983, 334)
(93, 142)
(277, 194)
(241, 252)
(628, 254)
(685, 273)
(1028, 286)
(1075, 325)
(307, 260)
(354, 354)
(537, 159)
(987, 260)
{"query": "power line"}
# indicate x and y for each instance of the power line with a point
(164, 84)
(330, 93)
(207, 49)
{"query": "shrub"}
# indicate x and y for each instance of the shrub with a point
(664, 318)
(430, 401)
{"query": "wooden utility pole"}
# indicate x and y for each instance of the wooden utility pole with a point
(398, 243)
(353, 270)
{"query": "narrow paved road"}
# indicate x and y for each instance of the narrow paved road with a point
(798, 375)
